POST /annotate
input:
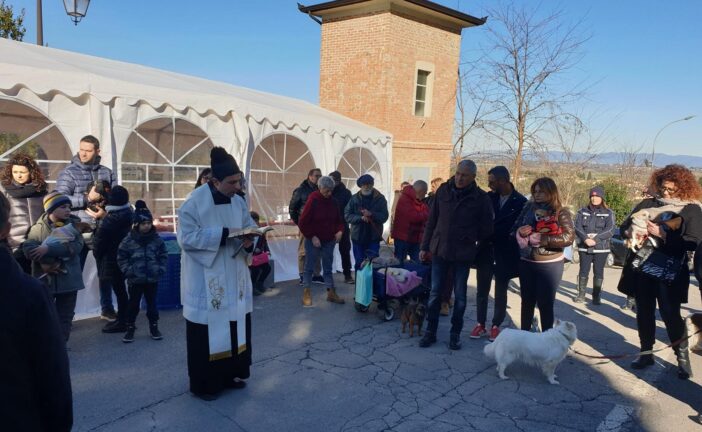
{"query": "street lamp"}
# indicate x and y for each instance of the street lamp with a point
(76, 9)
(653, 148)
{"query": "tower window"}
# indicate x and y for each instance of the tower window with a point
(422, 94)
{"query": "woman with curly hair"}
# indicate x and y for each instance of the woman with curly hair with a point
(22, 181)
(658, 270)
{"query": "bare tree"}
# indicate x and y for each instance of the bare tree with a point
(520, 75)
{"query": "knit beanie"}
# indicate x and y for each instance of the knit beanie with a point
(54, 200)
(365, 179)
(119, 196)
(597, 191)
(222, 163)
(141, 212)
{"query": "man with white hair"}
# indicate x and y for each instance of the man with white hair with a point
(460, 219)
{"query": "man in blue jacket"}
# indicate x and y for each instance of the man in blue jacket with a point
(73, 182)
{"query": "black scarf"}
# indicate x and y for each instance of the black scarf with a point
(27, 190)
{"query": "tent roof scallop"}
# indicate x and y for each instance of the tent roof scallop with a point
(75, 75)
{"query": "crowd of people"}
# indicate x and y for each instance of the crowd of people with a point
(453, 227)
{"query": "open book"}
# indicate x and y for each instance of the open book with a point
(250, 231)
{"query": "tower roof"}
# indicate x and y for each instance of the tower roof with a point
(425, 7)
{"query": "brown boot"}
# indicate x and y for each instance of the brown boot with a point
(306, 297)
(444, 309)
(332, 297)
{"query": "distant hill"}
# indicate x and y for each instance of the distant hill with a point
(661, 159)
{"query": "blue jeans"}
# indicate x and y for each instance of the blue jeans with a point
(312, 256)
(439, 269)
(360, 252)
(403, 248)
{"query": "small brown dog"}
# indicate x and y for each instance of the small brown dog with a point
(413, 313)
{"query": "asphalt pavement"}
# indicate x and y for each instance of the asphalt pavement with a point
(331, 368)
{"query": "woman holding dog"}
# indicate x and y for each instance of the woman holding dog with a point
(541, 251)
(643, 275)
(594, 227)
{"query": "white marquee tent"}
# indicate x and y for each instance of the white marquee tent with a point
(156, 128)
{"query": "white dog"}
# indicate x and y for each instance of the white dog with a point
(545, 350)
(639, 226)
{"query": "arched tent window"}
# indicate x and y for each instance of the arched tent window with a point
(161, 162)
(23, 128)
(278, 165)
(354, 163)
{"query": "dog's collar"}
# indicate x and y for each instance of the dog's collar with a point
(565, 336)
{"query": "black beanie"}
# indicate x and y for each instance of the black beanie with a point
(141, 212)
(222, 163)
(118, 196)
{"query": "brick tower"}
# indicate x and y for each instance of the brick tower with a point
(393, 64)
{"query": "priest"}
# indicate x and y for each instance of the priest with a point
(215, 281)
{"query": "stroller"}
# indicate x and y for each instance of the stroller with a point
(374, 282)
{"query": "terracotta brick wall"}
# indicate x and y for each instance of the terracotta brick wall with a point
(367, 72)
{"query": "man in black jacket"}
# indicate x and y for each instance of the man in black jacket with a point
(297, 203)
(499, 255)
(36, 386)
(342, 195)
(460, 219)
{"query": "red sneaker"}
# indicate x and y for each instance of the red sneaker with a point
(494, 332)
(478, 331)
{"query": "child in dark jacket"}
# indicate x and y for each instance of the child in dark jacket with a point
(260, 266)
(142, 257)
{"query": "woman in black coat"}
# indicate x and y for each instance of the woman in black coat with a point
(677, 187)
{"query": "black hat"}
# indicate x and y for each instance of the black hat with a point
(336, 175)
(222, 163)
(141, 212)
(118, 196)
(597, 191)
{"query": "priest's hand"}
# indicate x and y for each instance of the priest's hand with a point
(315, 242)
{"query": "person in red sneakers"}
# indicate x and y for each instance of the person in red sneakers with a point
(499, 255)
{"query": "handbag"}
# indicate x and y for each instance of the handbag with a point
(364, 285)
(260, 259)
(658, 265)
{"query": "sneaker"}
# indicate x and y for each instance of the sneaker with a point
(301, 279)
(444, 309)
(494, 332)
(114, 327)
(478, 331)
(349, 280)
(129, 335)
(108, 315)
(155, 334)
(318, 279)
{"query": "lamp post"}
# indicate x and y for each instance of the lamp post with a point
(653, 147)
(76, 9)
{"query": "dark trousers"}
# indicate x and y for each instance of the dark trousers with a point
(485, 265)
(148, 290)
(539, 283)
(66, 308)
(259, 275)
(439, 271)
(447, 286)
(362, 250)
(403, 248)
(345, 252)
(648, 291)
(595, 260)
(117, 285)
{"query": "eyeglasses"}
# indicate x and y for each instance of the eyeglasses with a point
(664, 189)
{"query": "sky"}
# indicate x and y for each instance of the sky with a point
(642, 61)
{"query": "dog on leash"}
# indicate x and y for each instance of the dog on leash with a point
(544, 350)
(694, 329)
(413, 313)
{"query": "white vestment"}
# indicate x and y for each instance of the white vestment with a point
(215, 288)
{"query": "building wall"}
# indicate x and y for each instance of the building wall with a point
(368, 72)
